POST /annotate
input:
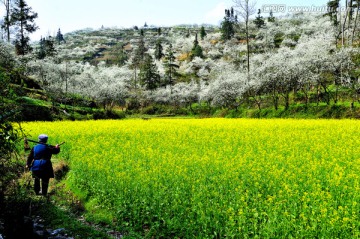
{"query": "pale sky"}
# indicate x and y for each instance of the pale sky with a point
(70, 15)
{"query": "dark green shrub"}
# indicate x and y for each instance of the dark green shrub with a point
(35, 113)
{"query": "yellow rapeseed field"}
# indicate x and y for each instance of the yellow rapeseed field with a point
(216, 178)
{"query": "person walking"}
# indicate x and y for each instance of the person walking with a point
(39, 163)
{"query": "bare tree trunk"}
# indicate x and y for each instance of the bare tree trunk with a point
(248, 49)
(349, 15)
(343, 25)
(347, 20)
(246, 8)
(355, 22)
(66, 77)
(135, 83)
(7, 23)
(306, 94)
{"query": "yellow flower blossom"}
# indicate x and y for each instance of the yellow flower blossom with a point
(218, 178)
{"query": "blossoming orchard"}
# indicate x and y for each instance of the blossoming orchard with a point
(293, 60)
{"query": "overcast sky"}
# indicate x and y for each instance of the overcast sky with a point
(70, 15)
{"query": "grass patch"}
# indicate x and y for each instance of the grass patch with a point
(64, 210)
(298, 111)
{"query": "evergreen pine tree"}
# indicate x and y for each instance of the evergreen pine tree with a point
(46, 48)
(141, 49)
(158, 50)
(50, 47)
(196, 42)
(138, 58)
(333, 6)
(271, 17)
(259, 20)
(228, 24)
(196, 50)
(41, 53)
(23, 17)
(149, 76)
(59, 37)
(170, 66)
(202, 33)
(119, 55)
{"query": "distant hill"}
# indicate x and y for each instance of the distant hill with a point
(298, 59)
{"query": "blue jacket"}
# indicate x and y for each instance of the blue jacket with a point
(44, 152)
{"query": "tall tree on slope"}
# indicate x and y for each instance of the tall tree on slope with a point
(227, 25)
(202, 32)
(138, 57)
(246, 8)
(149, 76)
(60, 37)
(170, 67)
(23, 17)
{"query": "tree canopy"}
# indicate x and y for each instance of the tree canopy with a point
(24, 18)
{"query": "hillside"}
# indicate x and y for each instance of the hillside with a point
(298, 62)
(293, 61)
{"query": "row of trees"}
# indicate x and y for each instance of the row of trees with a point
(149, 76)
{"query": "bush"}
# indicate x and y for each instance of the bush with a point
(35, 113)
(108, 115)
(115, 114)
(10, 166)
(154, 109)
(16, 206)
(133, 104)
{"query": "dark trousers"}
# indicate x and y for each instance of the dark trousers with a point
(44, 185)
